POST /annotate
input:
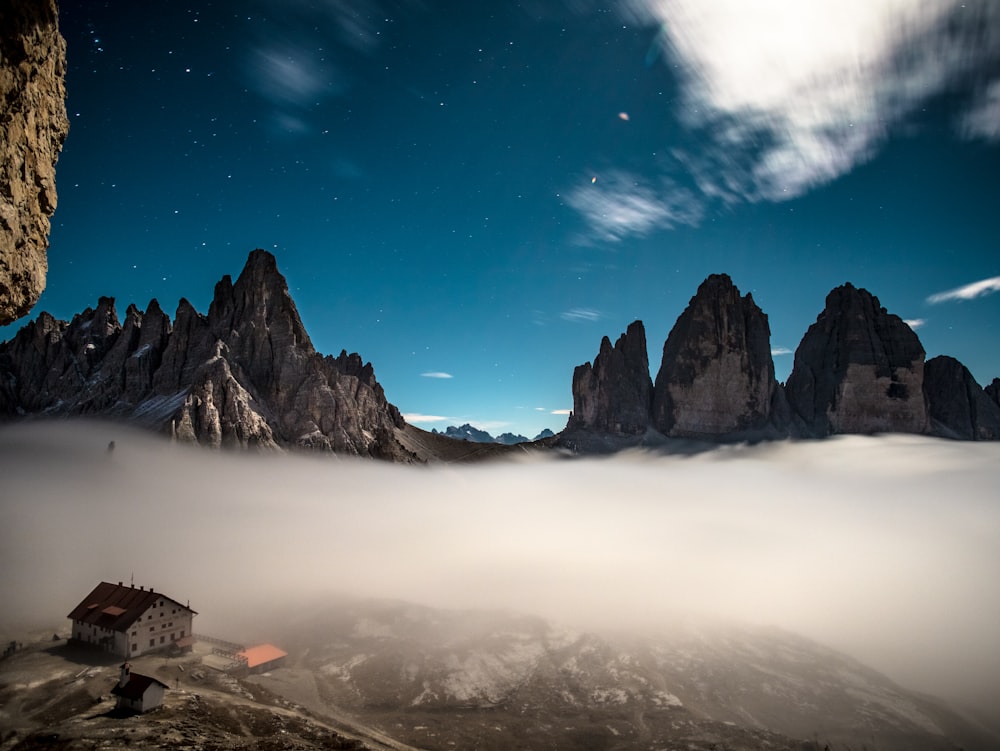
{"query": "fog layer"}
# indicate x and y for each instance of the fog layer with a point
(887, 548)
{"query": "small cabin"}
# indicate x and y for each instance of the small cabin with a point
(138, 693)
(262, 658)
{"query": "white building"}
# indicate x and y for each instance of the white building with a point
(130, 622)
(138, 693)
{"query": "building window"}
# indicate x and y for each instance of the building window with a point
(135, 647)
(152, 642)
(152, 628)
(182, 633)
(161, 614)
(173, 637)
(135, 633)
(162, 639)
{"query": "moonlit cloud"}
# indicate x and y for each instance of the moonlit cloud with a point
(789, 95)
(416, 418)
(968, 292)
(618, 204)
(437, 374)
(914, 323)
(983, 118)
(886, 548)
(581, 314)
(775, 351)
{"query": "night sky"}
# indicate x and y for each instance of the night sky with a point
(471, 194)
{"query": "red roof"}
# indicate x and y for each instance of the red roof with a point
(261, 654)
(117, 607)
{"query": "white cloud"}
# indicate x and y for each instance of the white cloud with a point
(789, 95)
(581, 314)
(417, 418)
(561, 411)
(775, 351)
(617, 205)
(437, 374)
(290, 76)
(983, 118)
(914, 323)
(968, 292)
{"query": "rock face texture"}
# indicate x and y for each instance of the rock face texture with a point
(246, 375)
(33, 126)
(858, 369)
(993, 391)
(957, 406)
(614, 395)
(716, 378)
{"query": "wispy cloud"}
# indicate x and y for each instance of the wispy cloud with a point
(968, 292)
(983, 118)
(561, 411)
(437, 374)
(416, 418)
(581, 314)
(618, 204)
(775, 351)
(786, 95)
(914, 323)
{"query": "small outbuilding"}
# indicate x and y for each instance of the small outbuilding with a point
(138, 693)
(261, 658)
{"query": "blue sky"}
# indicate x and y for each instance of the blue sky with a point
(471, 195)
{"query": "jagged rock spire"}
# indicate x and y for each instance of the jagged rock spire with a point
(614, 394)
(717, 376)
(858, 369)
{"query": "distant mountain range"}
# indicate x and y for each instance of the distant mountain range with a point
(858, 369)
(246, 376)
(468, 433)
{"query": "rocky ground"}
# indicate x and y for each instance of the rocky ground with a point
(54, 696)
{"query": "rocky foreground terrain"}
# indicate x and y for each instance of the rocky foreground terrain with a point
(391, 675)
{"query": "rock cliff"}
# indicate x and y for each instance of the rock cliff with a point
(957, 405)
(716, 378)
(614, 394)
(33, 126)
(993, 391)
(858, 369)
(246, 375)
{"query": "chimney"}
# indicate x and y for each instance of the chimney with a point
(119, 584)
(124, 677)
(141, 587)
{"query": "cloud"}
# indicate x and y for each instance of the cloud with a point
(914, 323)
(617, 205)
(784, 96)
(416, 418)
(883, 547)
(581, 314)
(437, 374)
(775, 351)
(983, 119)
(968, 292)
(560, 411)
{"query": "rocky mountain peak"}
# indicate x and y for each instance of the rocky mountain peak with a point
(716, 377)
(957, 406)
(245, 375)
(613, 395)
(858, 369)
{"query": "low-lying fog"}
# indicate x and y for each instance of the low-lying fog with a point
(887, 548)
